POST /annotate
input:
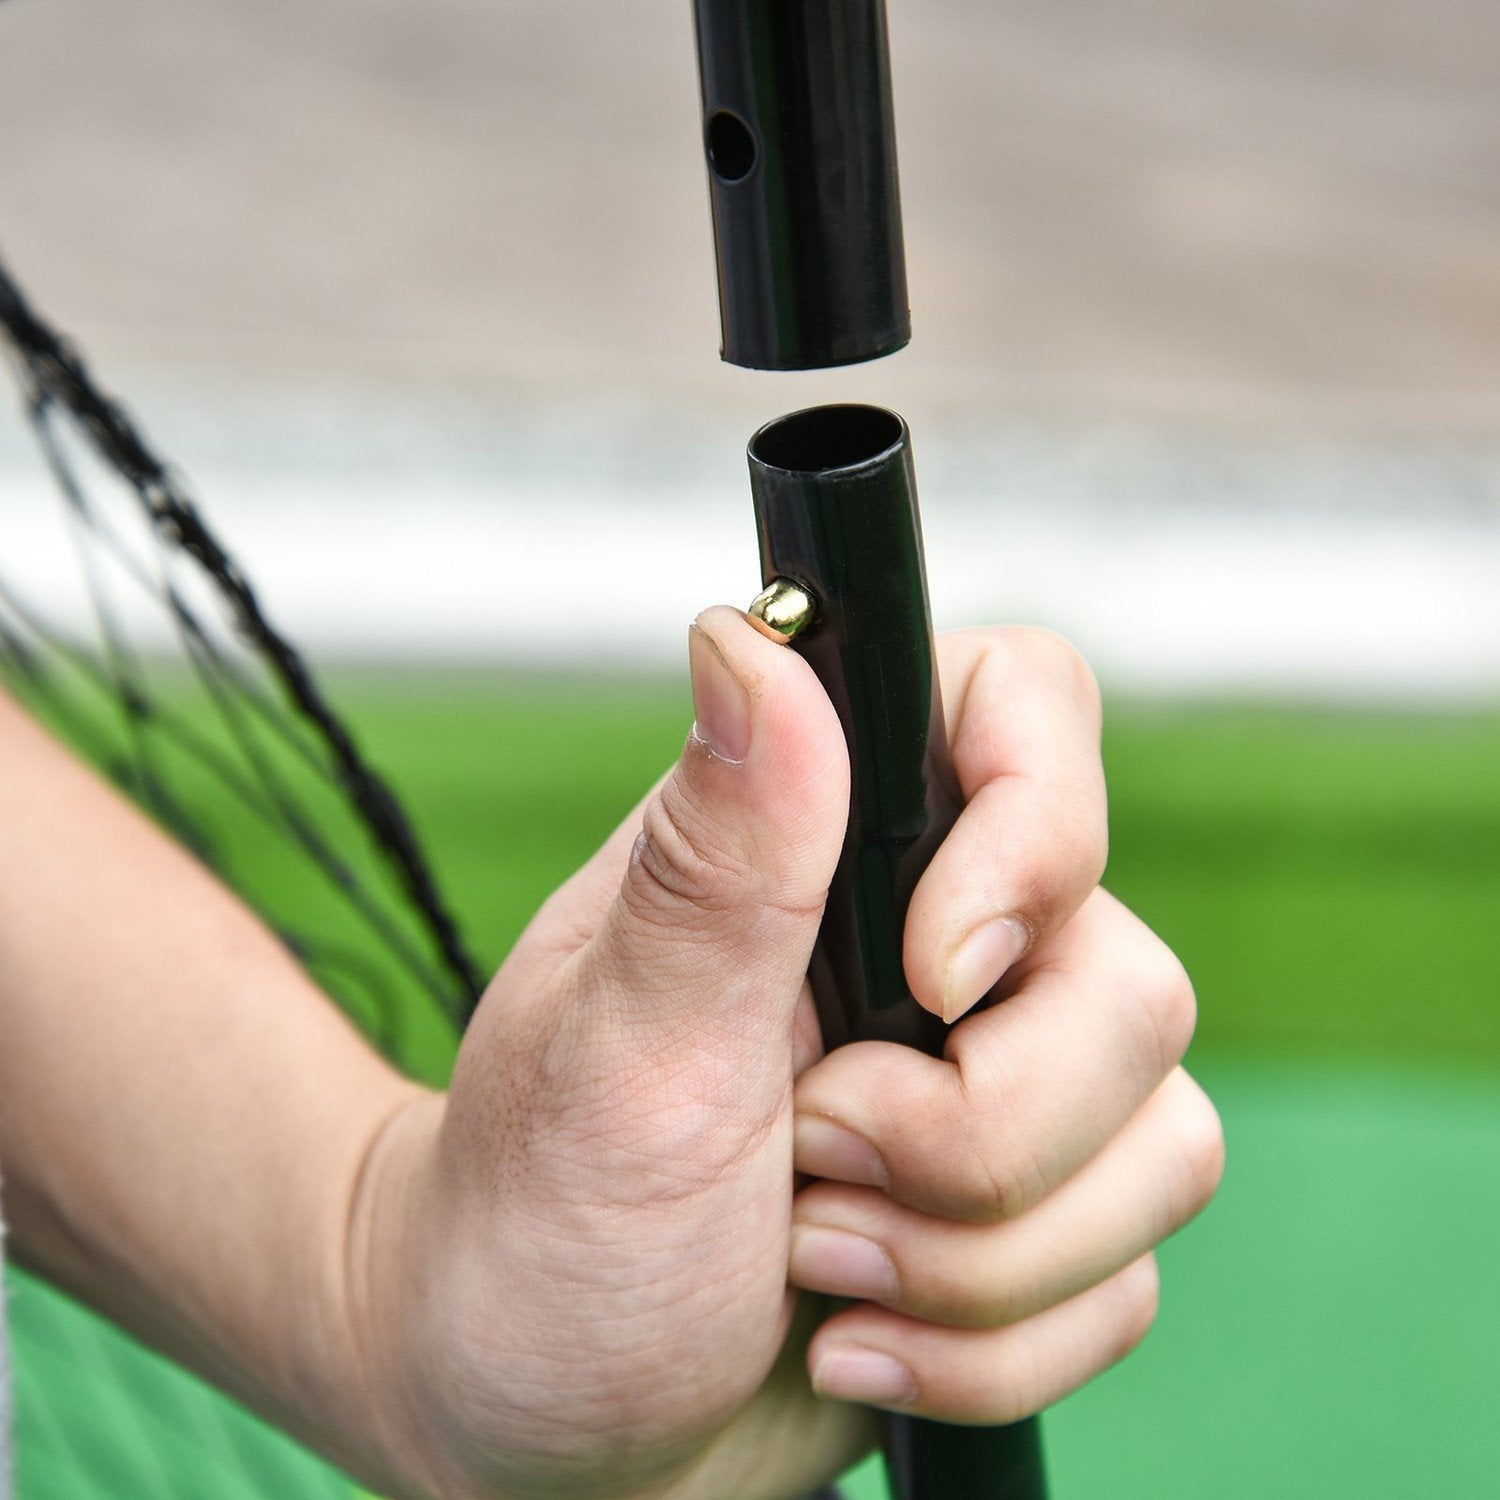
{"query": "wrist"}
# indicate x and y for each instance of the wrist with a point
(363, 1359)
(428, 1412)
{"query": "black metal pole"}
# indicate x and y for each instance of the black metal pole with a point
(836, 510)
(799, 134)
(800, 138)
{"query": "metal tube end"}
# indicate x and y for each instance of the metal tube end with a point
(782, 610)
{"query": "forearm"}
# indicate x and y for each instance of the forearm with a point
(183, 1117)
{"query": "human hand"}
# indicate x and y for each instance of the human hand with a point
(571, 1275)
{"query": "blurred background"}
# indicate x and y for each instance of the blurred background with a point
(1206, 375)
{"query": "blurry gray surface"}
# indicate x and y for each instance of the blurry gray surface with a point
(1206, 371)
(400, 528)
(1253, 211)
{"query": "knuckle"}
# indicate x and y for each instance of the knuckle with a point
(1079, 843)
(982, 1173)
(1201, 1150)
(1003, 1182)
(1168, 1003)
(995, 1178)
(1092, 853)
(964, 1302)
(1027, 1387)
(944, 1139)
(1062, 662)
(1139, 1303)
(686, 859)
(938, 1291)
(677, 860)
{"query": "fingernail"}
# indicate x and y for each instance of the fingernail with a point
(979, 961)
(840, 1263)
(822, 1149)
(866, 1375)
(721, 702)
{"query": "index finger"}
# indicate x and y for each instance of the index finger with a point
(1031, 842)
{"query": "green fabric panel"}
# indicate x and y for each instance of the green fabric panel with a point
(98, 1417)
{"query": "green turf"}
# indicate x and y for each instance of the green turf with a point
(1328, 1327)
(1331, 881)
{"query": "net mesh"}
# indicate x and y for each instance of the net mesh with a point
(206, 714)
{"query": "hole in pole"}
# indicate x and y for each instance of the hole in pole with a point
(731, 147)
(826, 438)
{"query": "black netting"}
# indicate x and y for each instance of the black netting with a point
(188, 697)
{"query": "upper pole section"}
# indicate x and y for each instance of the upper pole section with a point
(801, 143)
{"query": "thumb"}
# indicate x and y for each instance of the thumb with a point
(620, 1125)
(720, 903)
